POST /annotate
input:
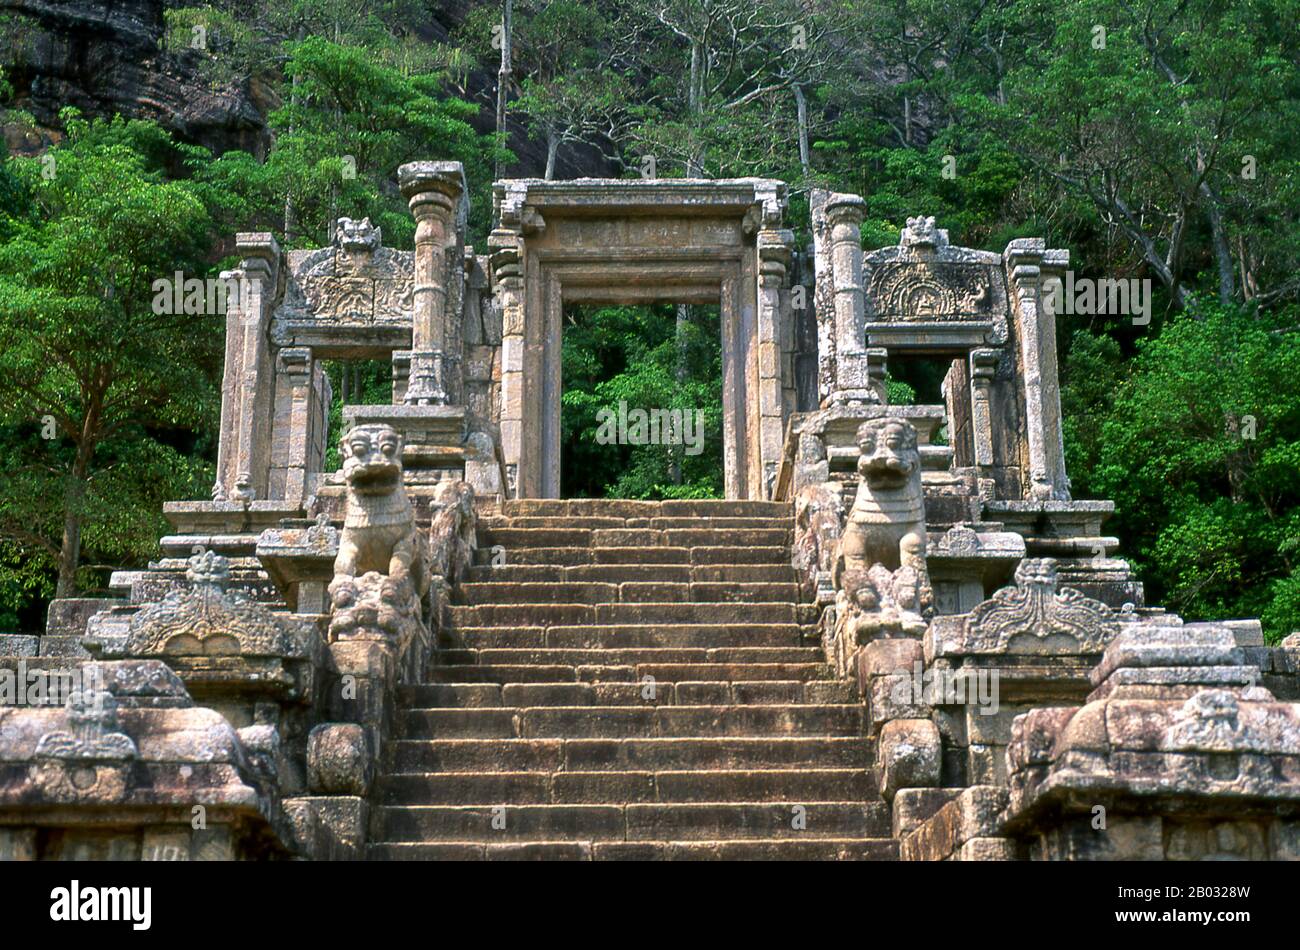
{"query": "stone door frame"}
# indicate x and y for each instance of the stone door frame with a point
(616, 242)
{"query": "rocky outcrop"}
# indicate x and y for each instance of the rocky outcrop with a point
(105, 58)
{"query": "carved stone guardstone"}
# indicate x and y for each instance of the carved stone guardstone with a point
(1033, 617)
(204, 620)
(1030, 644)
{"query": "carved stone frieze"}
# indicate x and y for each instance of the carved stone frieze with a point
(203, 619)
(1036, 608)
(90, 761)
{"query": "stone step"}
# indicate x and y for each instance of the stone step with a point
(571, 592)
(559, 788)
(633, 821)
(629, 656)
(753, 693)
(518, 674)
(816, 849)
(626, 508)
(575, 537)
(632, 635)
(541, 722)
(761, 556)
(577, 755)
(610, 673)
(621, 573)
(595, 523)
(568, 615)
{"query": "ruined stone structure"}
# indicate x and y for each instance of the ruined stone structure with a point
(897, 637)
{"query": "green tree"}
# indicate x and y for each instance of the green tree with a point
(350, 123)
(98, 393)
(644, 357)
(1201, 452)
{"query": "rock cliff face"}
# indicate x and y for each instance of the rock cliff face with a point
(104, 57)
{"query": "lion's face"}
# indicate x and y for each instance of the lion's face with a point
(888, 455)
(372, 459)
(357, 236)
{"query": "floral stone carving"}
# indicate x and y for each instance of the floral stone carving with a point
(206, 619)
(1036, 609)
(89, 761)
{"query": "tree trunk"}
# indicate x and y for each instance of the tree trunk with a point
(801, 107)
(677, 451)
(74, 494)
(1222, 253)
(552, 148)
(290, 215)
(694, 167)
(503, 76)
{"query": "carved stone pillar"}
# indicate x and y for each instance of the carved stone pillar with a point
(298, 417)
(1044, 447)
(433, 191)
(775, 247)
(505, 249)
(983, 365)
(246, 388)
(852, 380)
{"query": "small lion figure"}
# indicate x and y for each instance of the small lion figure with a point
(379, 531)
(358, 236)
(375, 606)
(886, 525)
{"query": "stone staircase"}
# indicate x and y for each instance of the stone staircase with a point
(631, 680)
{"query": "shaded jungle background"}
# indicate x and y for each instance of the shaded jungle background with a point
(1156, 140)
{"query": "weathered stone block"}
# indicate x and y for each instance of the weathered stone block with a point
(339, 761)
(909, 755)
(987, 849)
(914, 806)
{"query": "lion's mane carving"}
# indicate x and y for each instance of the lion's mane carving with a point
(358, 236)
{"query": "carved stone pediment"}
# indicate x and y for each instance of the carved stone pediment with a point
(89, 761)
(206, 620)
(356, 282)
(1036, 610)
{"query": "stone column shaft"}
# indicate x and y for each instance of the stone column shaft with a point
(246, 391)
(852, 379)
(433, 191)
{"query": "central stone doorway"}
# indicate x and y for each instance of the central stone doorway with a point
(630, 243)
(641, 413)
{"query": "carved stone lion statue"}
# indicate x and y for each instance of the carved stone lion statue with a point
(886, 527)
(381, 571)
(379, 525)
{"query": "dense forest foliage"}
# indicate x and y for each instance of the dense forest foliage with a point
(1155, 139)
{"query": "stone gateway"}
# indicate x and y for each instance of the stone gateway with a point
(898, 636)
